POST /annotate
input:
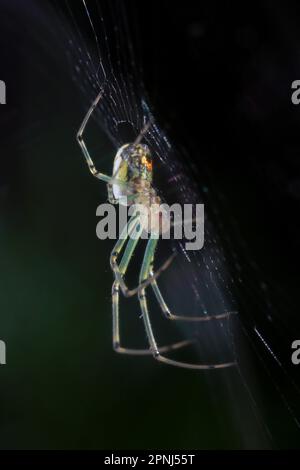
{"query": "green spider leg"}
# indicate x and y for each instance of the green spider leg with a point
(118, 274)
(101, 176)
(170, 316)
(165, 309)
(144, 274)
(117, 269)
(129, 250)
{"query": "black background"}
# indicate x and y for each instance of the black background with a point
(223, 75)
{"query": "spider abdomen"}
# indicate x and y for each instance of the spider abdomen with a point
(133, 168)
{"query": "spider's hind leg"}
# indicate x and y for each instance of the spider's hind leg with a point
(142, 285)
(116, 332)
(156, 351)
(171, 316)
(131, 245)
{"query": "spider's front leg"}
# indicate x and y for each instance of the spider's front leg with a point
(107, 179)
(81, 142)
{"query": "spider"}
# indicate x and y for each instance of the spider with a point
(131, 183)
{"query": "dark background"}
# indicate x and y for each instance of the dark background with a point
(219, 77)
(231, 68)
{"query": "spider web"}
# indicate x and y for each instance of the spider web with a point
(220, 277)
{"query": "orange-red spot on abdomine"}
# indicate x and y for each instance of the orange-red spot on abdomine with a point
(147, 163)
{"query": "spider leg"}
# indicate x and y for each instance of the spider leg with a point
(81, 142)
(143, 132)
(115, 308)
(116, 331)
(118, 275)
(149, 253)
(89, 161)
(168, 314)
(117, 269)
